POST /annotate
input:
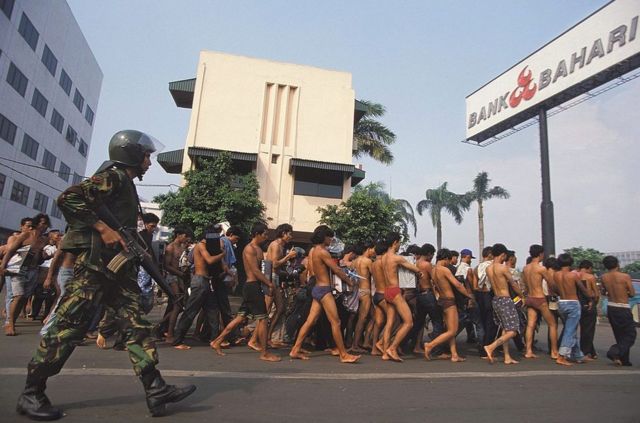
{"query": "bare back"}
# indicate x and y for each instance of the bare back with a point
(362, 266)
(424, 282)
(379, 278)
(252, 256)
(533, 273)
(567, 284)
(500, 277)
(442, 281)
(317, 264)
(172, 257)
(618, 286)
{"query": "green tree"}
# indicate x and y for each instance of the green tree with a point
(632, 267)
(439, 199)
(213, 193)
(372, 138)
(593, 255)
(481, 193)
(368, 215)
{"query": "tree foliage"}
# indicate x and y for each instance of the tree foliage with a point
(213, 193)
(591, 254)
(372, 138)
(441, 199)
(368, 215)
(632, 267)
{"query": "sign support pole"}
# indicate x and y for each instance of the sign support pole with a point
(546, 206)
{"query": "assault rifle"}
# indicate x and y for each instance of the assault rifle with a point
(138, 253)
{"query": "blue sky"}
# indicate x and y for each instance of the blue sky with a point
(419, 59)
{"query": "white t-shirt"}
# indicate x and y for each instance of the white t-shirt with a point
(483, 279)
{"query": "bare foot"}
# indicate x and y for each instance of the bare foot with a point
(444, 356)
(617, 362)
(303, 351)
(298, 356)
(101, 342)
(563, 361)
(216, 346)
(334, 351)
(418, 352)
(169, 339)
(349, 358)
(554, 356)
(510, 361)
(182, 347)
(225, 344)
(458, 359)
(253, 346)
(380, 346)
(9, 330)
(393, 354)
(530, 355)
(588, 358)
(269, 357)
(489, 354)
(357, 350)
(427, 352)
(276, 345)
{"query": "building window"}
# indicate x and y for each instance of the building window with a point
(49, 60)
(274, 158)
(3, 179)
(64, 172)
(19, 193)
(39, 102)
(28, 32)
(65, 82)
(57, 121)
(7, 129)
(49, 160)
(318, 183)
(83, 148)
(30, 147)
(78, 100)
(71, 136)
(88, 115)
(40, 202)
(76, 179)
(7, 7)
(55, 211)
(17, 80)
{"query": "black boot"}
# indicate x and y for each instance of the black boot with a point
(34, 403)
(159, 393)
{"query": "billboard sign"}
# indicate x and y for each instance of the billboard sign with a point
(602, 47)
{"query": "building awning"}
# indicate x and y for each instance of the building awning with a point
(312, 164)
(357, 177)
(360, 110)
(182, 92)
(171, 161)
(213, 153)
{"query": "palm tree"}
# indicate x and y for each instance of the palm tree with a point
(371, 138)
(481, 193)
(440, 199)
(404, 215)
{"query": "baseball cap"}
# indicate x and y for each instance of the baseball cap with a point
(467, 252)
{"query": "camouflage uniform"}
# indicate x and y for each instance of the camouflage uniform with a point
(92, 283)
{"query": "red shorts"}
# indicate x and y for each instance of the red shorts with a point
(391, 293)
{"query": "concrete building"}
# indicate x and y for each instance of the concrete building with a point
(49, 89)
(290, 124)
(625, 257)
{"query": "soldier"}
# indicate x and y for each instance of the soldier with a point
(92, 284)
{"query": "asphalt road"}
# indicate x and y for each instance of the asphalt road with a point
(99, 386)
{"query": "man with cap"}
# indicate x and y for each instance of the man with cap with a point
(95, 243)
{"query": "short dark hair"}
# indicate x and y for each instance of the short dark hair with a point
(510, 253)
(359, 249)
(25, 220)
(41, 216)
(368, 244)
(565, 260)
(413, 249)
(381, 247)
(150, 218)
(443, 254)
(454, 253)
(535, 250)
(498, 249)
(181, 229)
(486, 251)
(391, 238)
(234, 230)
(610, 262)
(258, 229)
(320, 233)
(585, 264)
(427, 249)
(283, 229)
(551, 263)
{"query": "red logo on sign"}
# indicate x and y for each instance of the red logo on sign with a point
(526, 88)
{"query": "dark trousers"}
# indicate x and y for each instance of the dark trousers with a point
(588, 320)
(298, 316)
(624, 330)
(201, 297)
(483, 299)
(426, 305)
(42, 296)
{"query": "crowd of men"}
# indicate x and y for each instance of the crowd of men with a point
(365, 298)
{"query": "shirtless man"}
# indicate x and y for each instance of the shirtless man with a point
(426, 302)
(589, 317)
(275, 254)
(567, 284)
(175, 277)
(320, 262)
(362, 265)
(619, 289)
(536, 302)
(201, 296)
(20, 263)
(379, 304)
(503, 306)
(445, 283)
(253, 303)
(396, 303)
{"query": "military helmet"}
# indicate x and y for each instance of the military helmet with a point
(129, 147)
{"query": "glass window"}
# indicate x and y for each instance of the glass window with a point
(78, 100)
(40, 202)
(49, 160)
(30, 147)
(318, 183)
(49, 60)
(64, 172)
(57, 121)
(83, 148)
(39, 102)
(76, 179)
(19, 193)
(55, 211)
(65, 82)
(28, 32)
(88, 115)
(71, 136)
(7, 129)
(17, 80)
(3, 179)
(7, 7)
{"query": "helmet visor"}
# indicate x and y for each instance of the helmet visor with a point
(150, 144)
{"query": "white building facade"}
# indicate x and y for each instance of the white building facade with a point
(50, 84)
